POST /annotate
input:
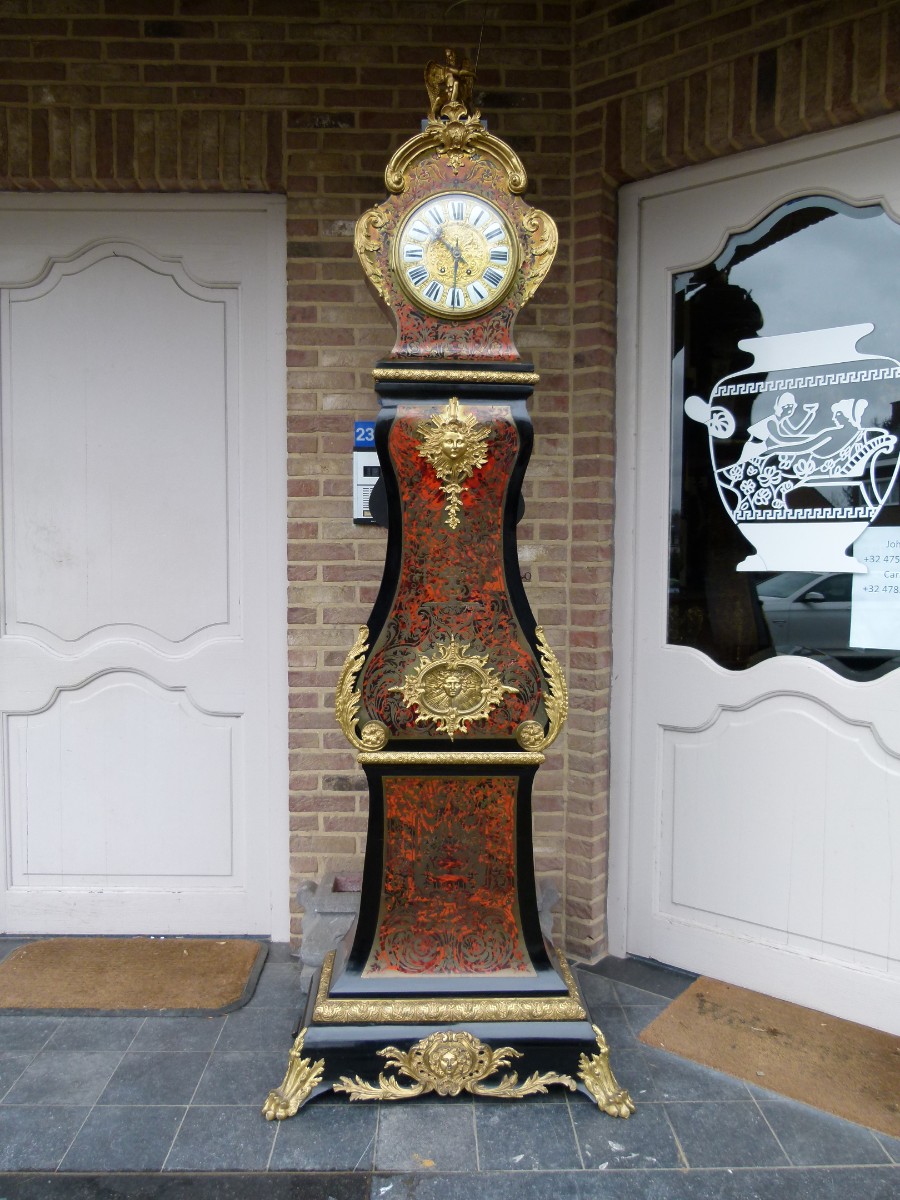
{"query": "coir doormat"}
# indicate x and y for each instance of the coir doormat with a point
(835, 1065)
(126, 976)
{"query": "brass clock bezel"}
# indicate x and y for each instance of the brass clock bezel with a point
(497, 295)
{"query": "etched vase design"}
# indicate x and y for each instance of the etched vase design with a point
(802, 457)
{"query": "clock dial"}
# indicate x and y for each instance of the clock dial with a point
(455, 255)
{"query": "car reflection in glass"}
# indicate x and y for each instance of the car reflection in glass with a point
(809, 615)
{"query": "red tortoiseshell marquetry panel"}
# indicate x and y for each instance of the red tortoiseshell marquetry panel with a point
(452, 582)
(448, 903)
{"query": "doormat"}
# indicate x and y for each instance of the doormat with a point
(835, 1065)
(92, 976)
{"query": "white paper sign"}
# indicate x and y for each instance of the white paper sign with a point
(875, 608)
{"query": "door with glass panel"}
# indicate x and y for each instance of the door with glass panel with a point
(756, 719)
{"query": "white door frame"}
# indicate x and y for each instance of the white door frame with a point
(626, 576)
(270, 643)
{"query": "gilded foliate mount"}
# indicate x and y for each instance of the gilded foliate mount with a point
(449, 1062)
(301, 1077)
(452, 688)
(597, 1076)
(455, 444)
(348, 700)
(531, 735)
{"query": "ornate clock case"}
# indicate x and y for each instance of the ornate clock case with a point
(451, 694)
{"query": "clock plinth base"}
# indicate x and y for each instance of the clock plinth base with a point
(501, 1059)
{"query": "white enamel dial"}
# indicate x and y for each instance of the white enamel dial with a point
(455, 255)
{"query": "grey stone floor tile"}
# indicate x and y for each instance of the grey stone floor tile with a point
(11, 1067)
(890, 1144)
(64, 1077)
(27, 1144)
(280, 953)
(626, 994)
(811, 1138)
(327, 1137)
(725, 1135)
(278, 987)
(639, 1016)
(673, 1078)
(425, 1137)
(116, 1138)
(23, 1034)
(95, 1033)
(645, 1140)
(258, 1029)
(240, 1077)
(596, 990)
(520, 1136)
(860, 1183)
(178, 1033)
(632, 1072)
(614, 1025)
(644, 976)
(155, 1077)
(222, 1139)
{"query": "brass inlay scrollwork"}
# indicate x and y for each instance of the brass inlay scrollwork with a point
(596, 1075)
(452, 688)
(530, 734)
(455, 443)
(301, 1077)
(446, 1011)
(449, 1062)
(347, 700)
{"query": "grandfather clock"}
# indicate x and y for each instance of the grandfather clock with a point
(451, 694)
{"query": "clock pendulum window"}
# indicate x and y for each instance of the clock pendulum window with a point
(450, 694)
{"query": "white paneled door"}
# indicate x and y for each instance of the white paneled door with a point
(143, 691)
(755, 824)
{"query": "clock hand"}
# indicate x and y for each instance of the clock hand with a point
(455, 251)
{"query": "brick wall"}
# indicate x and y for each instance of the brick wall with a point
(309, 98)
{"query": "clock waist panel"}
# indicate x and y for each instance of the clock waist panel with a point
(451, 658)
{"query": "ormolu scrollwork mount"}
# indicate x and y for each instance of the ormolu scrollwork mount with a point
(450, 694)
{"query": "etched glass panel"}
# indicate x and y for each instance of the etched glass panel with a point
(785, 519)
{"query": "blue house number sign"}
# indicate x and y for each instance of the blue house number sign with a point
(363, 435)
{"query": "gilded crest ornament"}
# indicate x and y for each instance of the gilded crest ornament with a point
(449, 82)
(455, 444)
(449, 1062)
(453, 688)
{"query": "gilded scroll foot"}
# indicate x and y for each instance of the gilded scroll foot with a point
(448, 1063)
(301, 1077)
(596, 1075)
